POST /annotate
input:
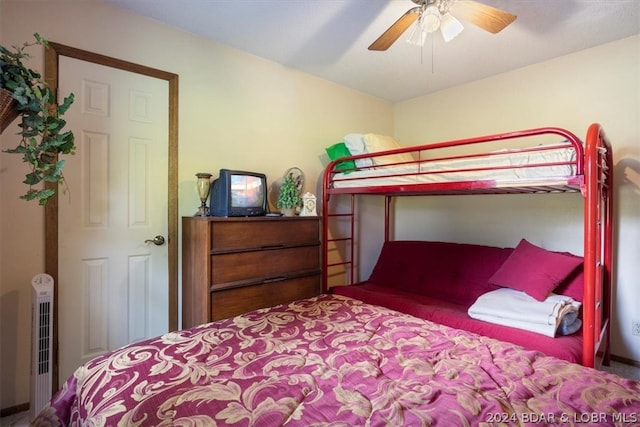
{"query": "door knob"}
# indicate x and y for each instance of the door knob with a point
(158, 240)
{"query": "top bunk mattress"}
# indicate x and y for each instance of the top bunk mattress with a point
(548, 165)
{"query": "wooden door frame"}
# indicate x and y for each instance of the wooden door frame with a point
(51, 75)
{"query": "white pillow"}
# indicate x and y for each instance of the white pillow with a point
(355, 145)
(375, 143)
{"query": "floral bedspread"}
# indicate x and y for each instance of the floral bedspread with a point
(333, 360)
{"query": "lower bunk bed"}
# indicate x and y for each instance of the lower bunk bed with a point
(334, 360)
(529, 162)
(441, 282)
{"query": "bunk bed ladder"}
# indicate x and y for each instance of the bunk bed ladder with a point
(332, 242)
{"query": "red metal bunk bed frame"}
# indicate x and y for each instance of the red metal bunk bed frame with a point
(593, 178)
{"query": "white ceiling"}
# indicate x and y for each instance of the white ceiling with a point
(329, 38)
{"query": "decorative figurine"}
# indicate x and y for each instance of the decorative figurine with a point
(308, 205)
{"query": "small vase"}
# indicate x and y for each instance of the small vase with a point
(288, 211)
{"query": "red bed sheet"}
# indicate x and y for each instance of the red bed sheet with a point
(337, 361)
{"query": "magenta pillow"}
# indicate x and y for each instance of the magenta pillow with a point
(573, 286)
(534, 270)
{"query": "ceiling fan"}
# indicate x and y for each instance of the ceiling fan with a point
(432, 15)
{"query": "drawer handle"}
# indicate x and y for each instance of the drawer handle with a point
(267, 247)
(275, 279)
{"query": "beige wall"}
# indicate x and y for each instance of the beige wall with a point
(602, 85)
(236, 111)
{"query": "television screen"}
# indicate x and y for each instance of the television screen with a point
(246, 191)
(239, 193)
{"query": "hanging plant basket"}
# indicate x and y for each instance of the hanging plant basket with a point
(8, 109)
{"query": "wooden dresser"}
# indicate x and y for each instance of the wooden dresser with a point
(234, 265)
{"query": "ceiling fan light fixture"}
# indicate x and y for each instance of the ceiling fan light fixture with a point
(430, 18)
(450, 27)
(417, 34)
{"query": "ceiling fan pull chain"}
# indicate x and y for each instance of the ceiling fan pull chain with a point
(433, 68)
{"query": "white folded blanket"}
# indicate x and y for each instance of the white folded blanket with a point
(513, 308)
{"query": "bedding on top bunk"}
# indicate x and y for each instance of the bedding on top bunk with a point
(332, 360)
(512, 167)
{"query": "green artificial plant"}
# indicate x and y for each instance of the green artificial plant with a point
(289, 196)
(41, 127)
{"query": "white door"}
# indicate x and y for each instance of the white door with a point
(113, 287)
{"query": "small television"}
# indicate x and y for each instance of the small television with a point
(238, 193)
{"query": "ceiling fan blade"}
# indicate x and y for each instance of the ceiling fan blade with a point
(486, 17)
(392, 34)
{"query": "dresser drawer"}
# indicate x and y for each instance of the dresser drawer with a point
(231, 302)
(233, 235)
(268, 264)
